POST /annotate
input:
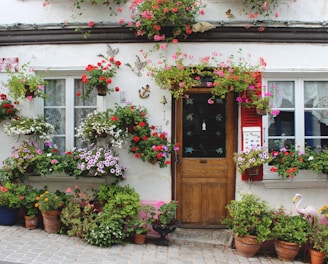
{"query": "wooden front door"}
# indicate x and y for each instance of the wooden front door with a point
(204, 170)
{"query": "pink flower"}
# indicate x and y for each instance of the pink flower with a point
(68, 190)
(159, 204)
(91, 23)
(138, 24)
(159, 38)
(54, 161)
(275, 112)
(29, 98)
(210, 101)
(202, 12)
(121, 21)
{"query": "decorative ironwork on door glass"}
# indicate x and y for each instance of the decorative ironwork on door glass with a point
(204, 126)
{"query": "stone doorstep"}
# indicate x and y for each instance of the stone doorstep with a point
(214, 237)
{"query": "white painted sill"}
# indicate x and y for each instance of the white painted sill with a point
(304, 179)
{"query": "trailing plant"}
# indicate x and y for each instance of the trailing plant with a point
(26, 84)
(253, 157)
(38, 127)
(253, 8)
(100, 74)
(249, 216)
(150, 17)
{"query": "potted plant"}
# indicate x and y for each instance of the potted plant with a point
(50, 204)
(11, 196)
(165, 222)
(290, 233)
(31, 211)
(99, 124)
(150, 18)
(250, 219)
(287, 162)
(318, 237)
(8, 109)
(29, 126)
(100, 161)
(154, 149)
(49, 161)
(140, 225)
(253, 157)
(100, 77)
(26, 84)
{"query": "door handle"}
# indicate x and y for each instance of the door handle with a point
(177, 158)
(203, 161)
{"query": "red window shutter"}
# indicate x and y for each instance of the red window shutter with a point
(249, 118)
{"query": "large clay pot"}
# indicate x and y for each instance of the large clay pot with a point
(8, 216)
(247, 246)
(317, 257)
(31, 222)
(51, 221)
(286, 251)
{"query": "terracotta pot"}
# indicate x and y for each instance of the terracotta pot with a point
(251, 172)
(247, 246)
(261, 112)
(317, 257)
(101, 90)
(50, 221)
(140, 239)
(286, 251)
(31, 222)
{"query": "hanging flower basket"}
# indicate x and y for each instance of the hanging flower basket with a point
(102, 90)
(251, 172)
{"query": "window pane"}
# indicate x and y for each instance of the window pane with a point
(316, 94)
(55, 89)
(59, 142)
(56, 117)
(203, 127)
(284, 93)
(79, 88)
(282, 124)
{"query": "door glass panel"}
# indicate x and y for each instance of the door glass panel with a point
(204, 127)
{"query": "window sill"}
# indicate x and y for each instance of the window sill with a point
(305, 179)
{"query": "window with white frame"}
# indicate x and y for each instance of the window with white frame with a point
(303, 117)
(64, 109)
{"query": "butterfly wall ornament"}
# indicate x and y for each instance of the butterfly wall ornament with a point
(110, 53)
(138, 66)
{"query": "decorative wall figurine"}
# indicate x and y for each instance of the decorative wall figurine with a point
(144, 92)
(110, 53)
(138, 66)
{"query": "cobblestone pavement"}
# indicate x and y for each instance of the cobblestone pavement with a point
(20, 245)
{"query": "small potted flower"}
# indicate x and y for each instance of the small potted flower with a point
(99, 124)
(29, 201)
(11, 196)
(140, 225)
(252, 158)
(165, 222)
(50, 204)
(100, 161)
(318, 236)
(8, 109)
(100, 76)
(30, 126)
(26, 84)
(164, 20)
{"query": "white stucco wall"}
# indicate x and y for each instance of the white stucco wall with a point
(150, 181)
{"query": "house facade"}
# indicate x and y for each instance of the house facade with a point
(292, 40)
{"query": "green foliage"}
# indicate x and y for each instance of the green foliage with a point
(10, 172)
(11, 194)
(249, 216)
(290, 228)
(78, 4)
(30, 200)
(166, 212)
(253, 8)
(140, 224)
(122, 205)
(26, 79)
(48, 201)
(319, 162)
(319, 237)
(49, 161)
